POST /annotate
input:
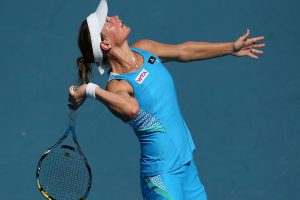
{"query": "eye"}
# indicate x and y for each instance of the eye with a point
(107, 20)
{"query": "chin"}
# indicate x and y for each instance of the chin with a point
(128, 30)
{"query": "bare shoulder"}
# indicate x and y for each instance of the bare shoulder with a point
(166, 52)
(145, 44)
(119, 86)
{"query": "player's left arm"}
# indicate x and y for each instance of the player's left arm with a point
(193, 51)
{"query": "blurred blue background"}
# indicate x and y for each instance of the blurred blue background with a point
(244, 115)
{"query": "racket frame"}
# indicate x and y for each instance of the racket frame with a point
(70, 129)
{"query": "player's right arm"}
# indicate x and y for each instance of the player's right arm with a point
(118, 98)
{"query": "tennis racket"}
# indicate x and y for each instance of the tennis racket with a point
(63, 172)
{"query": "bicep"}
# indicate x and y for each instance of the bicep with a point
(120, 87)
(123, 103)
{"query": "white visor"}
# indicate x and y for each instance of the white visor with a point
(96, 21)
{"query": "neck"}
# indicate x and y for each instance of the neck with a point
(122, 59)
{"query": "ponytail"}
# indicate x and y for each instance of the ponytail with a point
(84, 63)
(84, 71)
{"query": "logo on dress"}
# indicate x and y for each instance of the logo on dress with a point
(151, 60)
(142, 76)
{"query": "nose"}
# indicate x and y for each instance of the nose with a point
(117, 18)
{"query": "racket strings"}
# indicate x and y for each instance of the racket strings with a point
(64, 174)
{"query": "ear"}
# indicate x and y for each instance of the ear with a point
(105, 45)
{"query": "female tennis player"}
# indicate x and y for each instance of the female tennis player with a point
(140, 91)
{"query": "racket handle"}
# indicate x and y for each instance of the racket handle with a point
(72, 118)
(72, 112)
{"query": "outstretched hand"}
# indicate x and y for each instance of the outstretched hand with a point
(76, 96)
(245, 46)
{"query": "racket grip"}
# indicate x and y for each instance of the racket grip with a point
(72, 117)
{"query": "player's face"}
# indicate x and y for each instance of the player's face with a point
(115, 31)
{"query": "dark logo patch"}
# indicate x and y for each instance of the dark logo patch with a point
(151, 60)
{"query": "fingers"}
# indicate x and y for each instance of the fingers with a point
(253, 52)
(259, 45)
(248, 46)
(254, 40)
(245, 36)
(76, 96)
(73, 104)
(75, 88)
(72, 90)
(251, 55)
(256, 51)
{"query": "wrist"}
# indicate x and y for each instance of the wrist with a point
(90, 90)
(233, 48)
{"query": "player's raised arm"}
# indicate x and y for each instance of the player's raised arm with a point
(193, 51)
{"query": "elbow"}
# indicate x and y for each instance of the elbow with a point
(129, 110)
(183, 49)
(133, 111)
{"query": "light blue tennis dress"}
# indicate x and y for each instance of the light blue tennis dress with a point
(166, 163)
